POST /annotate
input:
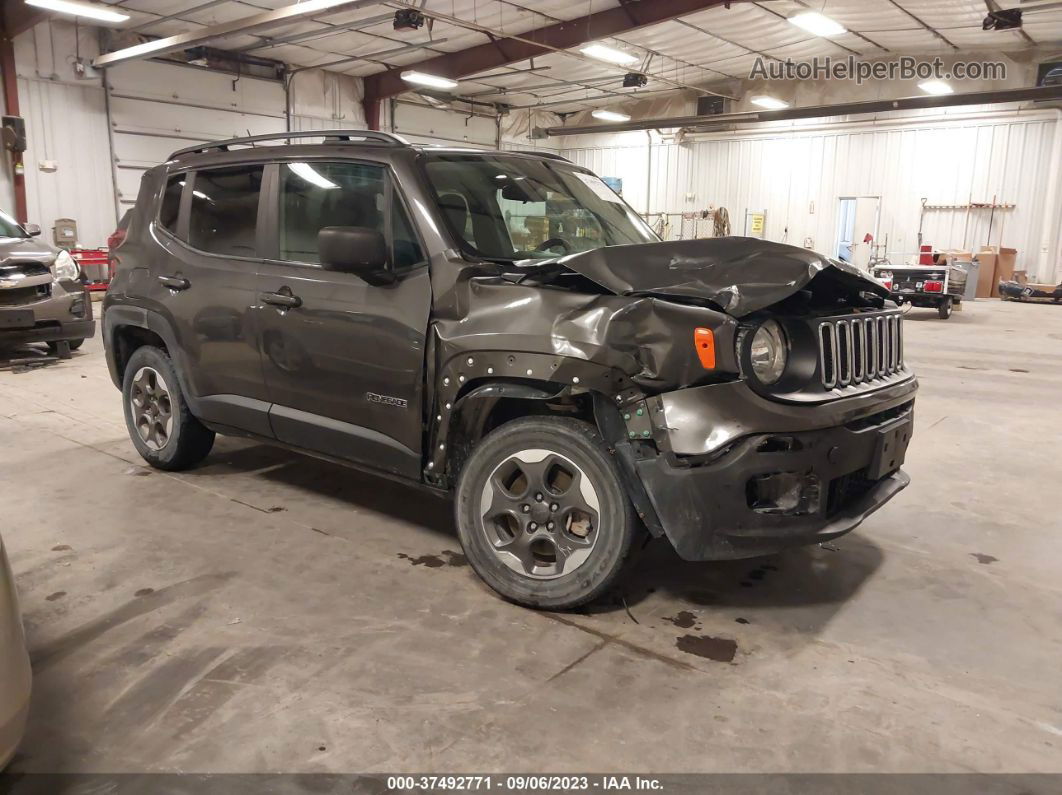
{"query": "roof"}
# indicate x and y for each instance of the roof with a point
(713, 44)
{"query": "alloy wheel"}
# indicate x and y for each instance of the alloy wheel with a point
(539, 512)
(152, 407)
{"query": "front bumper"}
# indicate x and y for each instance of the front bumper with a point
(752, 486)
(65, 315)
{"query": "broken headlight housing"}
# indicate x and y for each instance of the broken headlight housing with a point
(65, 268)
(769, 352)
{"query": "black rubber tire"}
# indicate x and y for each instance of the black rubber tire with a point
(74, 345)
(189, 441)
(944, 308)
(619, 526)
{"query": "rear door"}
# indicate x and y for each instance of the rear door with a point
(204, 282)
(344, 361)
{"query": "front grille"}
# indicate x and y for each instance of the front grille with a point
(860, 349)
(18, 296)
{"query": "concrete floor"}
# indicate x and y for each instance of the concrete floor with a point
(270, 612)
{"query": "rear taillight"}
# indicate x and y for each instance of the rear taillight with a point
(933, 287)
(116, 239)
(887, 283)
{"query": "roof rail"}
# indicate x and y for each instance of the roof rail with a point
(542, 153)
(374, 136)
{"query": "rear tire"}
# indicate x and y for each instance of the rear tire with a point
(558, 552)
(160, 424)
(944, 308)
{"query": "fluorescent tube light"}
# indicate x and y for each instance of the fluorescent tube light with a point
(432, 81)
(770, 103)
(936, 87)
(311, 175)
(610, 54)
(88, 10)
(610, 115)
(816, 23)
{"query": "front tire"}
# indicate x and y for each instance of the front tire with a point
(542, 514)
(160, 424)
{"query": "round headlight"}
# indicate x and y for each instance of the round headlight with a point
(768, 352)
(65, 268)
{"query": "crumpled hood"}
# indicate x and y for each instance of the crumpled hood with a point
(738, 274)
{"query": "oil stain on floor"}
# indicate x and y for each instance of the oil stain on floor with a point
(445, 558)
(717, 649)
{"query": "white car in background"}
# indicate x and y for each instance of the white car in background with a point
(15, 675)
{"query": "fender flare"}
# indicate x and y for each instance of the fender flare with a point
(471, 410)
(120, 315)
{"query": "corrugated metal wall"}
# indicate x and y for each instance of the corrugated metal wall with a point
(157, 108)
(67, 130)
(798, 177)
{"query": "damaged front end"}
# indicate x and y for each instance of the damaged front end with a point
(667, 346)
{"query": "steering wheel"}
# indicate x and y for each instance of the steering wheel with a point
(546, 245)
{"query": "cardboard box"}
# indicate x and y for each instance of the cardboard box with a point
(987, 283)
(1004, 268)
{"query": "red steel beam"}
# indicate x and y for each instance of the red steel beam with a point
(629, 15)
(18, 178)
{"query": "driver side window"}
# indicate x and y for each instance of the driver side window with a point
(314, 195)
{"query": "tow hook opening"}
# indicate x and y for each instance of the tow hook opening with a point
(789, 493)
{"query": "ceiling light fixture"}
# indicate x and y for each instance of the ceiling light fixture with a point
(768, 102)
(610, 115)
(432, 81)
(937, 87)
(610, 54)
(87, 10)
(817, 24)
(311, 175)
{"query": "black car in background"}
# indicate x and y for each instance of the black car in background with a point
(503, 327)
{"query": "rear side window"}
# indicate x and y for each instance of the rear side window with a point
(224, 212)
(314, 195)
(171, 203)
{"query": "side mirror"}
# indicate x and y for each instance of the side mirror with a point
(32, 229)
(355, 249)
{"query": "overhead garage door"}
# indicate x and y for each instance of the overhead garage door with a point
(157, 108)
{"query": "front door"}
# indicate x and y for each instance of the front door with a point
(343, 358)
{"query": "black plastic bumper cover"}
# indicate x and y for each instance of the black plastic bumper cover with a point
(53, 332)
(709, 511)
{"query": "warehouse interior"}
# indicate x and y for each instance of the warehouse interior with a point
(269, 610)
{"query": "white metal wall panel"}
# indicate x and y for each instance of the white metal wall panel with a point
(798, 177)
(157, 108)
(421, 124)
(66, 124)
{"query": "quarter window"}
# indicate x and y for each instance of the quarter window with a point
(171, 203)
(314, 195)
(224, 213)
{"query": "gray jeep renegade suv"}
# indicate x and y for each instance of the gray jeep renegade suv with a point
(500, 325)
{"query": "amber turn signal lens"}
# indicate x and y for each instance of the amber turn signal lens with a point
(704, 342)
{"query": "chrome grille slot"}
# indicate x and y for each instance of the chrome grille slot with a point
(844, 353)
(859, 349)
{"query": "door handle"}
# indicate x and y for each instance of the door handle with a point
(283, 300)
(175, 282)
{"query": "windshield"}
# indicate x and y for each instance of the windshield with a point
(513, 208)
(9, 227)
